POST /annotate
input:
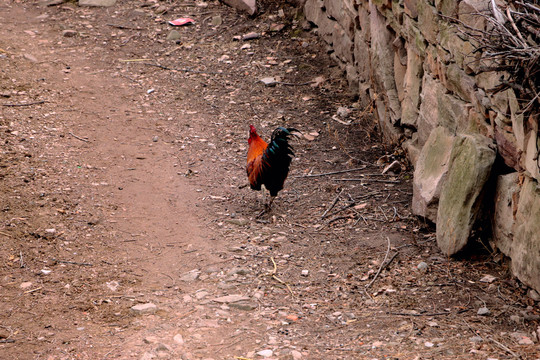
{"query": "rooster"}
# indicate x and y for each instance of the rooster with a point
(268, 164)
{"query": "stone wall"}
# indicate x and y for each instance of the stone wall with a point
(475, 155)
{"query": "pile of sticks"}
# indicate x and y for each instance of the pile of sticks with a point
(510, 42)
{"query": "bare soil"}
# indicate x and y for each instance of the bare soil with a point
(122, 183)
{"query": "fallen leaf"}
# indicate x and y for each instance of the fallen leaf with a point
(292, 317)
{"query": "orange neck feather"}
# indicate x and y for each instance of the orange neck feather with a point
(256, 147)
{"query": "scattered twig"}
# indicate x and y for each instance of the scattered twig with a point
(33, 290)
(107, 354)
(381, 267)
(371, 180)
(78, 137)
(504, 347)
(479, 298)
(294, 84)
(524, 43)
(187, 313)
(332, 205)
(130, 79)
(132, 60)
(330, 173)
(414, 314)
(272, 274)
(374, 219)
(71, 262)
(338, 218)
(181, 70)
(124, 27)
(385, 217)
(5, 234)
(391, 259)
(335, 118)
(299, 225)
(26, 104)
(350, 205)
(530, 6)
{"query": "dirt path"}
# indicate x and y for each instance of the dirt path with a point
(122, 184)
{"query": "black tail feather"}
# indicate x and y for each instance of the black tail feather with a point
(277, 157)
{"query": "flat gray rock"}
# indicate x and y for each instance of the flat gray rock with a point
(102, 3)
(230, 299)
(148, 308)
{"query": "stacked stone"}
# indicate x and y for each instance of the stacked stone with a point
(430, 94)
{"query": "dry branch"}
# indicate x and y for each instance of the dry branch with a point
(71, 262)
(332, 205)
(371, 180)
(383, 265)
(330, 173)
(26, 104)
(78, 137)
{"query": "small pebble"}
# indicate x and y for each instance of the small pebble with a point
(112, 285)
(305, 272)
(251, 36)
(191, 275)
(163, 347)
(151, 340)
(25, 285)
(269, 81)
(533, 294)
(243, 306)
(483, 311)
(422, 266)
(201, 295)
(265, 353)
(69, 33)
(217, 20)
(516, 318)
(174, 35)
(476, 339)
(148, 308)
(522, 338)
(239, 271)
(343, 112)
(178, 339)
(488, 279)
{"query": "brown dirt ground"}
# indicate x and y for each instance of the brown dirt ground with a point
(118, 177)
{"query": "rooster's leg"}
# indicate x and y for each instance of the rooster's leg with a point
(264, 198)
(267, 206)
